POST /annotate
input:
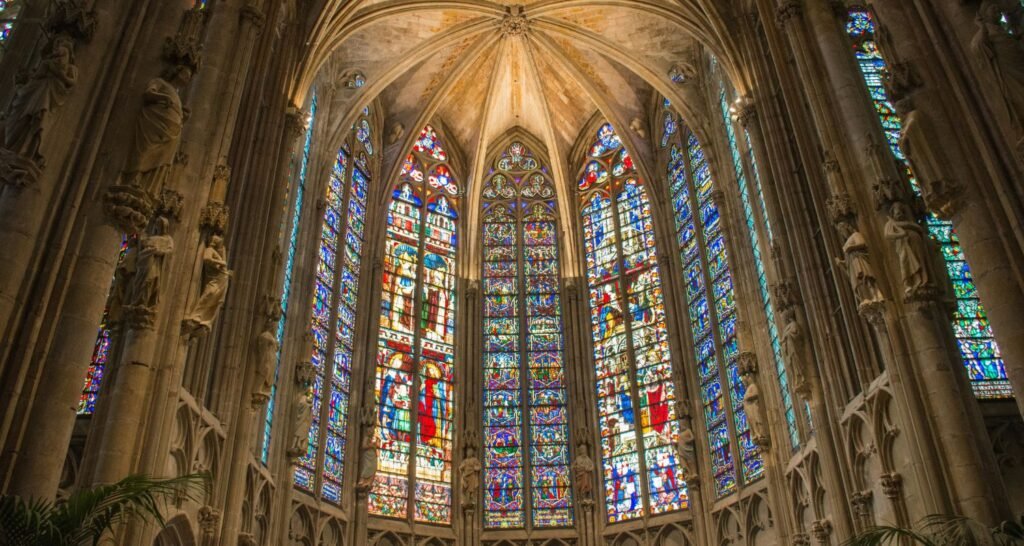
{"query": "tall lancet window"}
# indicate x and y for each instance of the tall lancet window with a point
(978, 347)
(526, 429)
(635, 393)
(9, 11)
(711, 303)
(335, 292)
(416, 352)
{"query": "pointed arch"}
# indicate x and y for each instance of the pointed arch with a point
(526, 424)
(416, 342)
(635, 391)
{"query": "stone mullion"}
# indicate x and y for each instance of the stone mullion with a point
(685, 376)
(87, 251)
(624, 281)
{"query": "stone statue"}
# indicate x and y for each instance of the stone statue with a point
(266, 364)
(397, 130)
(302, 420)
(368, 453)
(215, 287)
(583, 470)
(157, 132)
(469, 477)
(1004, 55)
(688, 451)
(143, 292)
(858, 266)
(123, 275)
(45, 89)
(637, 126)
(793, 341)
(909, 242)
(753, 408)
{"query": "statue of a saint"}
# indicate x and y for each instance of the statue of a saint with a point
(858, 266)
(368, 453)
(469, 477)
(583, 470)
(909, 242)
(143, 292)
(45, 90)
(157, 132)
(266, 364)
(754, 410)
(302, 420)
(792, 341)
(215, 287)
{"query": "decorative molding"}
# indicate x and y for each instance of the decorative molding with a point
(787, 11)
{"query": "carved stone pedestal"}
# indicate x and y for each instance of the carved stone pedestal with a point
(128, 208)
(18, 171)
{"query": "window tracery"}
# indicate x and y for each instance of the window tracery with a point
(635, 392)
(336, 292)
(711, 302)
(417, 357)
(526, 429)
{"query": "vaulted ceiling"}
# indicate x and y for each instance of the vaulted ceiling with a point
(480, 68)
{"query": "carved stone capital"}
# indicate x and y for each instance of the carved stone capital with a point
(169, 204)
(295, 122)
(743, 111)
(72, 18)
(214, 218)
(253, 15)
(861, 502)
(892, 485)
(185, 47)
(822, 530)
(18, 171)
(943, 197)
(209, 520)
(787, 11)
(873, 312)
(840, 208)
(787, 295)
(305, 373)
(748, 363)
(128, 208)
(246, 539)
(801, 539)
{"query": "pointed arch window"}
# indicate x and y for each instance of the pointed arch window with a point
(755, 213)
(981, 355)
(526, 428)
(335, 293)
(711, 301)
(635, 393)
(416, 351)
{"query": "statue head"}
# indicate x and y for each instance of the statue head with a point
(159, 226)
(63, 48)
(899, 211)
(179, 76)
(217, 242)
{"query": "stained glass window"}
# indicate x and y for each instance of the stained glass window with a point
(104, 345)
(526, 429)
(333, 321)
(415, 351)
(289, 268)
(635, 392)
(981, 354)
(9, 11)
(711, 301)
(752, 199)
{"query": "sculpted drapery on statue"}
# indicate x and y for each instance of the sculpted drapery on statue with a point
(142, 295)
(910, 243)
(215, 287)
(157, 131)
(858, 265)
(44, 90)
(368, 452)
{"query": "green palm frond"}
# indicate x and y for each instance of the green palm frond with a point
(90, 513)
(944, 530)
